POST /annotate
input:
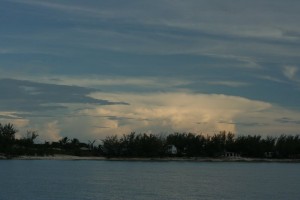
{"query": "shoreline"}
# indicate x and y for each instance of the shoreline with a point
(166, 159)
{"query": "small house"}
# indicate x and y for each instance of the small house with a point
(269, 154)
(231, 154)
(171, 149)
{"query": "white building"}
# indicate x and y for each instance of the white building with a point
(171, 149)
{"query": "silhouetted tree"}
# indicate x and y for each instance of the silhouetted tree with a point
(151, 145)
(7, 138)
(7, 131)
(111, 146)
(288, 146)
(128, 145)
(249, 146)
(64, 142)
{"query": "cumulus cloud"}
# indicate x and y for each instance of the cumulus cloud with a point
(50, 132)
(21, 124)
(187, 112)
(168, 112)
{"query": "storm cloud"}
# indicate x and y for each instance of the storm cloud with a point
(29, 96)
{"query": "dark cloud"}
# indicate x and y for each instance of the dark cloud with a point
(101, 127)
(286, 120)
(201, 122)
(116, 118)
(29, 96)
(294, 34)
(243, 123)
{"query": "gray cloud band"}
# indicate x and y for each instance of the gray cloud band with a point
(29, 96)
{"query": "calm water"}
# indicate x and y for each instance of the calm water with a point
(72, 180)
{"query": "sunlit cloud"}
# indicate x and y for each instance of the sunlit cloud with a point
(50, 132)
(151, 112)
(20, 124)
(200, 113)
(9, 115)
(168, 112)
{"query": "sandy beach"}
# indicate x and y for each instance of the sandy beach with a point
(192, 159)
(58, 157)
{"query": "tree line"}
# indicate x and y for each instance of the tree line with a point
(153, 145)
(10, 146)
(197, 145)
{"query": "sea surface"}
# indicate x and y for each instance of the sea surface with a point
(82, 180)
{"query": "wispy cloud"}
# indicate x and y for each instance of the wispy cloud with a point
(9, 115)
(177, 27)
(228, 83)
(270, 78)
(250, 124)
(98, 81)
(290, 72)
(6, 50)
(70, 7)
(287, 120)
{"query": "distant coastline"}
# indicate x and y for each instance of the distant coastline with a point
(166, 159)
(220, 147)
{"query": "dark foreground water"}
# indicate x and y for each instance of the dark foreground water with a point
(72, 180)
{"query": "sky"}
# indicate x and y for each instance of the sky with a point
(90, 69)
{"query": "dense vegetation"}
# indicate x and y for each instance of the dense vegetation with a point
(11, 147)
(150, 145)
(192, 145)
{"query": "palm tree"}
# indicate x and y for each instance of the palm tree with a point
(64, 141)
(8, 131)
